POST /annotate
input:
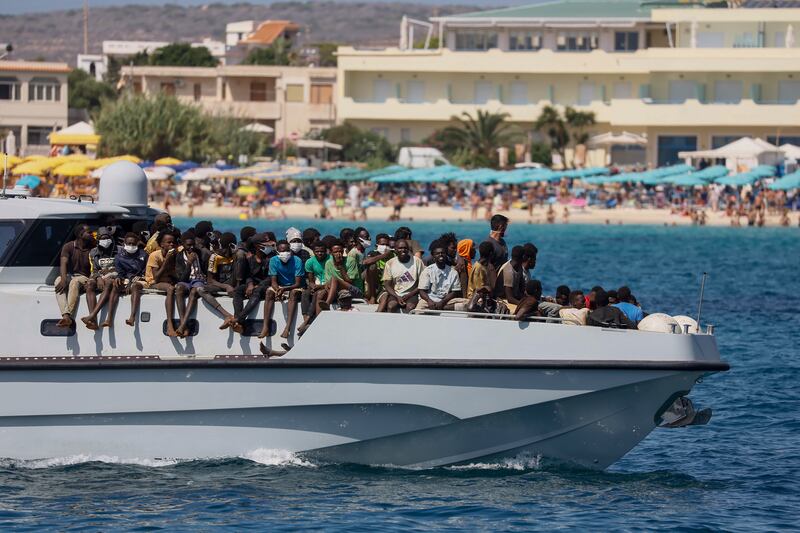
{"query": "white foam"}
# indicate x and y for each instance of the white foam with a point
(523, 461)
(84, 458)
(272, 457)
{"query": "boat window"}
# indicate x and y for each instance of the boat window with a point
(50, 328)
(9, 231)
(41, 244)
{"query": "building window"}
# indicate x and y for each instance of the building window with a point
(321, 93)
(168, 88)
(262, 91)
(718, 141)
(626, 41)
(415, 92)
(294, 93)
(405, 135)
(44, 90)
(524, 40)
(198, 92)
(9, 89)
(518, 93)
(383, 132)
(38, 135)
(476, 40)
(576, 42)
(728, 92)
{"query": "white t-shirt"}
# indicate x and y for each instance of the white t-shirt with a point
(405, 275)
(438, 282)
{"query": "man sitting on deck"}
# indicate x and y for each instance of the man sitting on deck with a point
(254, 288)
(606, 315)
(625, 304)
(400, 279)
(510, 285)
(529, 305)
(286, 275)
(576, 312)
(439, 283)
(221, 278)
(159, 274)
(75, 270)
(103, 273)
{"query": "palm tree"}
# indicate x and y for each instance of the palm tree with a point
(552, 124)
(478, 138)
(561, 129)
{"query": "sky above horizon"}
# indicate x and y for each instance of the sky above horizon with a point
(17, 7)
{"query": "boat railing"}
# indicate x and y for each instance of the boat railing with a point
(499, 316)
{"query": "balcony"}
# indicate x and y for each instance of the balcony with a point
(617, 112)
(247, 110)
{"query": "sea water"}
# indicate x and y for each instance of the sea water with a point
(740, 472)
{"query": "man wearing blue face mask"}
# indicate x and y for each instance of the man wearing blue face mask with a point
(286, 283)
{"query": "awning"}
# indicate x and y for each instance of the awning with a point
(317, 144)
(80, 133)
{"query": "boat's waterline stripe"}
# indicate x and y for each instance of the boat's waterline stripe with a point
(232, 362)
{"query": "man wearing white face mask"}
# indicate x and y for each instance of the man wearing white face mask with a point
(373, 267)
(295, 239)
(287, 282)
(101, 258)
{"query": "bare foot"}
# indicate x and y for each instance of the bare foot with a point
(65, 322)
(181, 332)
(171, 333)
(228, 322)
(107, 324)
(238, 328)
(131, 322)
(285, 334)
(264, 334)
(90, 323)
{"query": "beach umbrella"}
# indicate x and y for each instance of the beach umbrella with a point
(686, 181)
(789, 181)
(10, 160)
(246, 190)
(186, 165)
(197, 174)
(168, 161)
(71, 169)
(738, 180)
(38, 167)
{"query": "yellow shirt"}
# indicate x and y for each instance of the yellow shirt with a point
(154, 262)
(478, 277)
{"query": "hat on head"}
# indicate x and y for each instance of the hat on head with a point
(344, 295)
(293, 233)
(104, 231)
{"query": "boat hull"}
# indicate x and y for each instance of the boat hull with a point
(405, 415)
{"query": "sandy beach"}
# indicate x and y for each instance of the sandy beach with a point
(624, 215)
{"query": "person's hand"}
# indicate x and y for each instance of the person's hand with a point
(190, 257)
(61, 286)
(401, 300)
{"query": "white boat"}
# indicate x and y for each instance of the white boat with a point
(362, 387)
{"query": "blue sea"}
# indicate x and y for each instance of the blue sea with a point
(741, 472)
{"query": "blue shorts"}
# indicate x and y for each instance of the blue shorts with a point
(193, 284)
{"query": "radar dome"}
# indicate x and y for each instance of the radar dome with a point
(687, 320)
(123, 183)
(659, 322)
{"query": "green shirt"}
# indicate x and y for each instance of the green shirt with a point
(352, 268)
(313, 266)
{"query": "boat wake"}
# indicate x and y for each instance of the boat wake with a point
(70, 460)
(521, 462)
(272, 457)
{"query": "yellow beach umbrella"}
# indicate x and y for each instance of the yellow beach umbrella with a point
(37, 167)
(11, 160)
(245, 190)
(127, 157)
(167, 161)
(72, 169)
(35, 157)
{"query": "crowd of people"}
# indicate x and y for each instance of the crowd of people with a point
(748, 205)
(317, 273)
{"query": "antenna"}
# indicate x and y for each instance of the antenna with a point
(700, 304)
